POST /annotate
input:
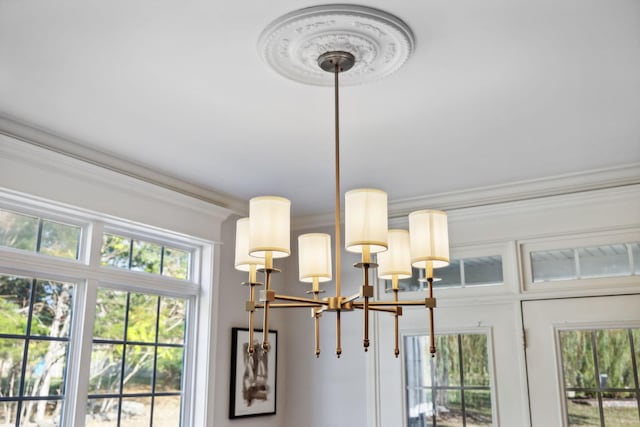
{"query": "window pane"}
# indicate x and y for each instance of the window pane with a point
(169, 369)
(15, 296)
(450, 275)
(418, 367)
(175, 263)
(553, 265)
(45, 368)
(447, 361)
(614, 358)
(146, 257)
(136, 412)
(60, 240)
(477, 405)
(635, 249)
(582, 412)
(106, 366)
(110, 311)
(102, 413)
(41, 413)
(115, 251)
(18, 231)
(483, 270)
(8, 412)
(621, 410)
(143, 309)
(448, 408)
(172, 315)
(11, 354)
(52, 309)
(604, 261)
(420, 406)
(577, 359)
(475, 361)
(166, 411)
(138, 369)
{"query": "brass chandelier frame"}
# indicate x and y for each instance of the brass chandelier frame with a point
(335, 62)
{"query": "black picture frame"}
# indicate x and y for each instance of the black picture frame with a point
(253, 379)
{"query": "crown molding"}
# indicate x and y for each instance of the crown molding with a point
(33, 135)
(575, 187)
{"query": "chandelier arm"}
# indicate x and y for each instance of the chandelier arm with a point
(381, 309)
(314, 302)
(360, 304)
(293, 305)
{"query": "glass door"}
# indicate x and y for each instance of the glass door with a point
(583, 356)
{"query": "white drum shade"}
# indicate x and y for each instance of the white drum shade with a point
(429, 236)
(365, 220)
(396, 260)
(244, 261)
(314, 257)
(269, 226)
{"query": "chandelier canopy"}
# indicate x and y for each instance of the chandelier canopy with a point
(365, 44)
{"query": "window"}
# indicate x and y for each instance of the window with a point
(136, 359)
(134, 327)
(451, 389)
(460, 273)
(34, 234)
(138, 255)
(34, 342)
(600, 371)
(611, 260)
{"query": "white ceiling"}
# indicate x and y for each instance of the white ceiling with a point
(496, 91)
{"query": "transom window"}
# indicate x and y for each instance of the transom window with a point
(35, 234)
(614, 260)
(451, 389)
(460, 273)
(138, 255)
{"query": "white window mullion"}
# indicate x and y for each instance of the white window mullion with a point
(80, 355)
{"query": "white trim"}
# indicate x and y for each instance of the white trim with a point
(577, 187)
(30, 134)
(78, 187)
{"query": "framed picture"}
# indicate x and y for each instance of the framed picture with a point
(253, 376)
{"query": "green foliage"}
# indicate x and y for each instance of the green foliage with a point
(21, 232)
(145, 256)
(18, 231)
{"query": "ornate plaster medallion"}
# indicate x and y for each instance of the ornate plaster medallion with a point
(380, 42)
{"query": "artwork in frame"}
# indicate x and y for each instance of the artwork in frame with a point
(253, 376)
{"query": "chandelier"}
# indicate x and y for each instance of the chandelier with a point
(347, 32)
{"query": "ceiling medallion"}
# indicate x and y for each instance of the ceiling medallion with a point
(380, 43)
